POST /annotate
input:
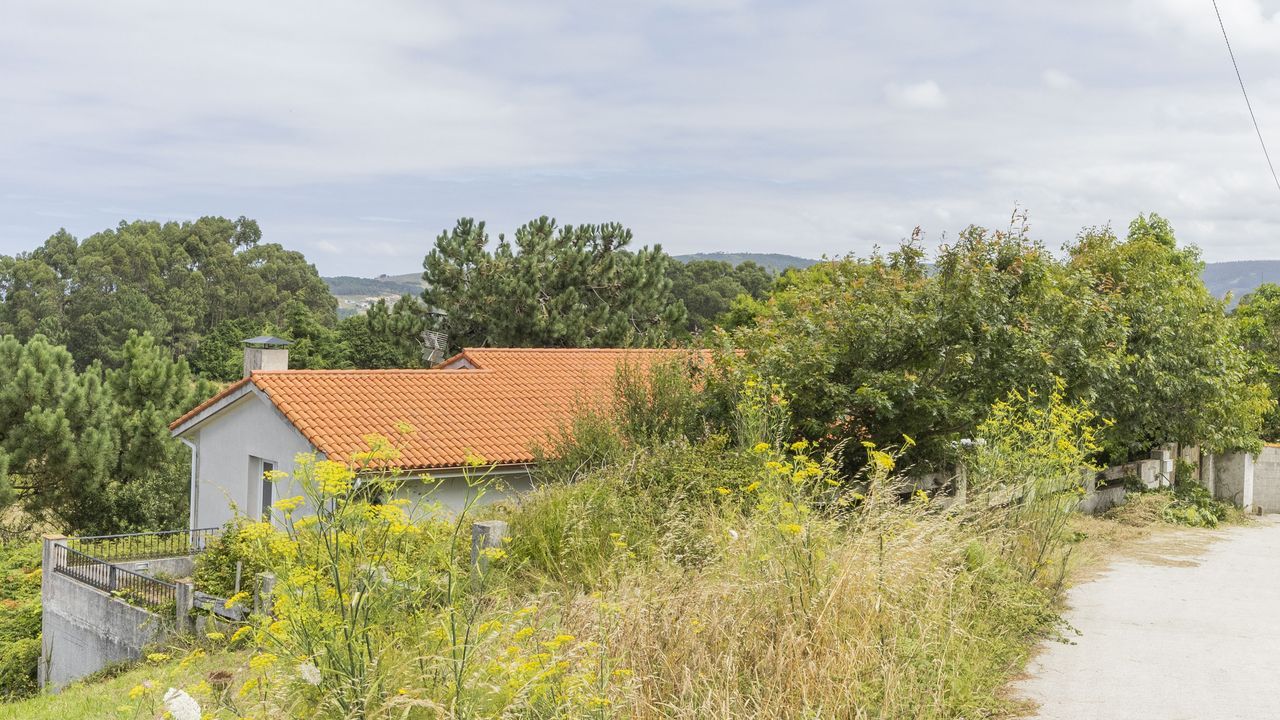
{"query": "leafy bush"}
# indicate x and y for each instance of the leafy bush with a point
(215, 571)
(19, 619)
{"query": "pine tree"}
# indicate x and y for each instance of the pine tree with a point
(554, 286)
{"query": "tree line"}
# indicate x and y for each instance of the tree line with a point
(107, 339)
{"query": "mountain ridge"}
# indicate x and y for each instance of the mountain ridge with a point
(1237, 277)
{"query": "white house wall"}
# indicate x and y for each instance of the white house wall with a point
(450, 489)
(249, 428)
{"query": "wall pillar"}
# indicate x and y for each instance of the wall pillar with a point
(184, 595)
(1246, 493)
(1208, 473)
(262, 593)
(47, 560)
(484, 535)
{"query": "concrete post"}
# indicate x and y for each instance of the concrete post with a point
(1208, 474)
(262, 594)
(47, 559)
(486, 534)
(962, 484)
(185, 596)
(1164, 454)
(1246, 487)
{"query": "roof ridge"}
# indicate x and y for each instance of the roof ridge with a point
(370, 371)
(573, 350)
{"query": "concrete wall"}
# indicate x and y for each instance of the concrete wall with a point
(85, 629)
(1148, 472)
(1234, 478)
(174, 567)
(1266, 480)
(226, 476)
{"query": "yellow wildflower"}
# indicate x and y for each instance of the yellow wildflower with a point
(157, 657)
(262, 661)
(288, 504)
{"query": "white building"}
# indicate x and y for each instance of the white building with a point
(496, 404)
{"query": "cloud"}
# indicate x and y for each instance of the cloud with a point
(722, 125)
(918, 96)
(1058, 80)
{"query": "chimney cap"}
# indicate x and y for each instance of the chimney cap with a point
(267, 340)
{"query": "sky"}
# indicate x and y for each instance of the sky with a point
(357, 132)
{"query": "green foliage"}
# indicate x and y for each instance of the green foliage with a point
(1193, 505)
(215, 571)
(1030, 458)
(554, 286)
(175, 281)
(19, 619)
(387, 336)
(660, 406)
(882, 347)
(879, 348)
(661, 500)
(709, 288)
(1182, 376)
(1257, 320)
(90, 451)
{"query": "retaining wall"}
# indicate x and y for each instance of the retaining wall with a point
(85, 629)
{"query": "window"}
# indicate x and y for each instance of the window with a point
(267, 486)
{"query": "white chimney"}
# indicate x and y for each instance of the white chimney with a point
(265, 353)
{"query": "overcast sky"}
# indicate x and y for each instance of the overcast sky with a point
(356, 132)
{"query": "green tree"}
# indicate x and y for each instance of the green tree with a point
(175, 281)
(1183, 375)
(90, 451)
(708, 289)
(554, 286)
(387, 336)
(1257, 320)
(878, 348)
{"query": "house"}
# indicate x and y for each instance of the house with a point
(493, 403)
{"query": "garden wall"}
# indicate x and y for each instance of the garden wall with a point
(1248, 480)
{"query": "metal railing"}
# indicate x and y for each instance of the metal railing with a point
(144, 546)
(133, 587)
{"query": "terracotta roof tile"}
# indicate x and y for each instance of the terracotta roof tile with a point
(511, 400)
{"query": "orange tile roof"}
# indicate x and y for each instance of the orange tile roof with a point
(511, 400)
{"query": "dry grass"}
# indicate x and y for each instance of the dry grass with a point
(927, 624)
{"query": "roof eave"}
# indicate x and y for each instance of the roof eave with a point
(210, 407)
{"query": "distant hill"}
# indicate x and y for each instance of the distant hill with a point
(346, 285)
(1239, 277)
(773, 261)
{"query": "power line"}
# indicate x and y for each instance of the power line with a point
(1247, 104)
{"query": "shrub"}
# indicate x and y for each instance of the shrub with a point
(19, 619)
(215, 571)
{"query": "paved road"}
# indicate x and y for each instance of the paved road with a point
(1188, 628)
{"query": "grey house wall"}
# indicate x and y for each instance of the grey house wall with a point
(226, 442)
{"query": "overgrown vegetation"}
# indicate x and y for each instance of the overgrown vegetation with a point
(691, 570)
(19, 618)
